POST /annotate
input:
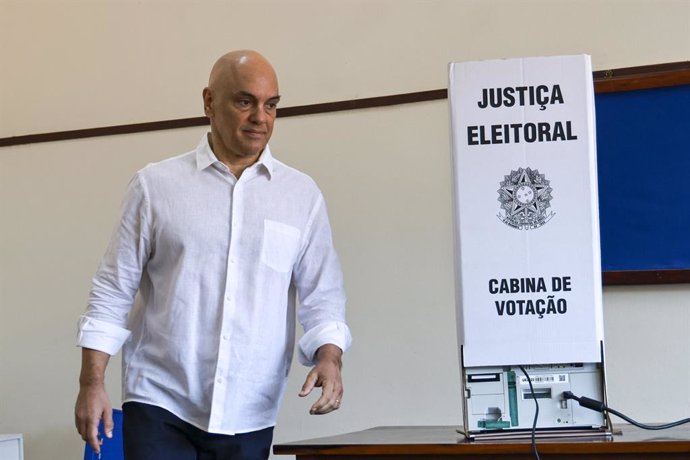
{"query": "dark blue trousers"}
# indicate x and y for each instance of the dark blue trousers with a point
(152, 433)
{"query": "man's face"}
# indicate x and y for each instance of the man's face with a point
(242, 108)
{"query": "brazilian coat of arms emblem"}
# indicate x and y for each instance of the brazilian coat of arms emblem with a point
(525, 196)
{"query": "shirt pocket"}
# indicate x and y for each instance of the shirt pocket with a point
(280, 245)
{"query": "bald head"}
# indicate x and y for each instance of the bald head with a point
(240, 64)
(241, 102)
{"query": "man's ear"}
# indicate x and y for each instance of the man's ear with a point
(208, 100)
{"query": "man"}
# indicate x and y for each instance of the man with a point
(217, 242)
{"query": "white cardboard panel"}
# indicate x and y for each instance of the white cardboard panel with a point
(526, 211)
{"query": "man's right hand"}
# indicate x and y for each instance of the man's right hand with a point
(93, 403)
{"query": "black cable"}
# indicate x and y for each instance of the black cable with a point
(599, 406)
(536, 414)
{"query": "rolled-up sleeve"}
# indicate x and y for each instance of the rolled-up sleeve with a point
(101, 335)
(334, 332)
(319, 282)
(103, 326)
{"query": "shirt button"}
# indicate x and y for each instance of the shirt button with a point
(226, 337)
(219, 380)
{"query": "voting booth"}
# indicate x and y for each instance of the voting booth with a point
(527, 256)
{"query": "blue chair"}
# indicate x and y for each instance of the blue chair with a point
(111, 449)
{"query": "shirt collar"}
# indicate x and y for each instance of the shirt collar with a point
(266, 160)
(205, 157)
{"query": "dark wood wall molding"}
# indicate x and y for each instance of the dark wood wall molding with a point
(605, 81)
(643, 77)
(103, 131)
(283, 112)
(631, 277)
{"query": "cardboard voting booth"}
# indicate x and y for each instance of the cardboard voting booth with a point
(528, 269)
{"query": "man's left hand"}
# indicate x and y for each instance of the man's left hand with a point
(325, 374)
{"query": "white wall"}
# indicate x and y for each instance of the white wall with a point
(385, 173)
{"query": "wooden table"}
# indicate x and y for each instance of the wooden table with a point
(443, 442)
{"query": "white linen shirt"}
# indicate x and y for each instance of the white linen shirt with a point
(217, 262)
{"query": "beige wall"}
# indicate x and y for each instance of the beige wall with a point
(385, 173)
